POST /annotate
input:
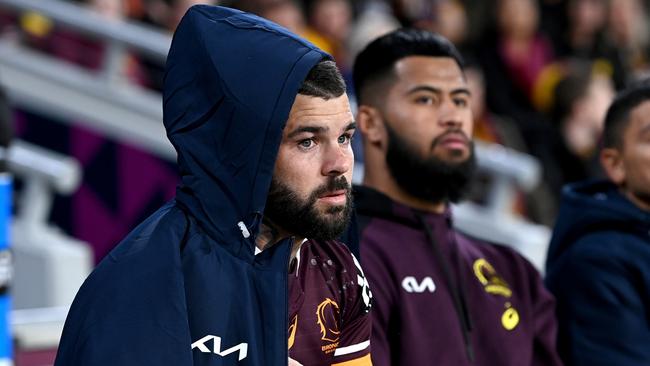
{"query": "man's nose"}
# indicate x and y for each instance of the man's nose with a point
(450, 115)
(338, 160)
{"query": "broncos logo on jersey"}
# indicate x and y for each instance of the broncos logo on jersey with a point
(327, 315)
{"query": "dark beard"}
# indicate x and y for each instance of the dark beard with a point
(300, 217)
(430, 179)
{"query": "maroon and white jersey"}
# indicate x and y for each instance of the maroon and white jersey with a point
(329, 303)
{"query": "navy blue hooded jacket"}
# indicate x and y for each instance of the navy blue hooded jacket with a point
(185, 288)
(599, 269)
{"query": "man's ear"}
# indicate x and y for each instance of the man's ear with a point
(371, 125)
(611, 160)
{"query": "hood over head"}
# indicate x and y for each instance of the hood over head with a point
(594, 206)
(230, 81)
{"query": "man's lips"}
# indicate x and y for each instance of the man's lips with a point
(454, 141)
(334, 197)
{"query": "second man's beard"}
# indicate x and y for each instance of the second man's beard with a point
(430, 179)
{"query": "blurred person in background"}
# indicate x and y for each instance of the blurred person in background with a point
(628, 30)
(585, 37)
(289, 14)
(598, 261)
(446, 17)
(517, 58)
(451, 21)
(538, 205)
(580, 102)
(441, 298)
(513, 56)
(375, 19)
(241, 268)
(332, 20)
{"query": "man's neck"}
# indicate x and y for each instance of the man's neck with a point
(636, 200)
(270, 234)
(385, 184)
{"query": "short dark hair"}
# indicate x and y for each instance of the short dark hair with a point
(618, 114)
(323, 81)
(376, 61)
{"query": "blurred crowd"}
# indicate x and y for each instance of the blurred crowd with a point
(542, 72)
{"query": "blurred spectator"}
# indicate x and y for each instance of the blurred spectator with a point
(515, 56)
(375, 19)
(332, 19)
(410, 12)
(628, 30)
(288, 14)
(489, 127)
(585, 37)
(478, 21)
(598, 258)
(581, 99)
(451, 21)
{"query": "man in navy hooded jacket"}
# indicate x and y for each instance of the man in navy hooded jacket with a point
(598, 265)
(241, 268)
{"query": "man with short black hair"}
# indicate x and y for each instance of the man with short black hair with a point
(440, 297)
(241, 268)
(599, 260)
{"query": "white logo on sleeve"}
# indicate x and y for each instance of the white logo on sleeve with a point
(410, 284)
(363, 282)
(216, 345)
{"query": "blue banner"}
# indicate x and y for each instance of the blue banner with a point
(6, 270)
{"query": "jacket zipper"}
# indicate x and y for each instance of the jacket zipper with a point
(456, 289)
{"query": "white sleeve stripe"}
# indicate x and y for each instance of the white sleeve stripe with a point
(352, 349)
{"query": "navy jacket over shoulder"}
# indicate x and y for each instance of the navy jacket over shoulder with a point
(599, 270)
(185, 288)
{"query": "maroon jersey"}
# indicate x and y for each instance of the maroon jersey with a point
(329, 301)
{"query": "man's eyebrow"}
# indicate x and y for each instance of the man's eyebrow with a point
(419, 88)
(351, 126)
(461, 91)
(431, 89)
(310, 129)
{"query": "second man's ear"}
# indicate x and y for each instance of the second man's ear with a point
(612, 162)
(371, 125)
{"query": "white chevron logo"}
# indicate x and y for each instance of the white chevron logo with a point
(410, 284)
(216, 344)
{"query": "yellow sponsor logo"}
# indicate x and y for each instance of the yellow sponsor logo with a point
(510, 318)
(491, 281)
